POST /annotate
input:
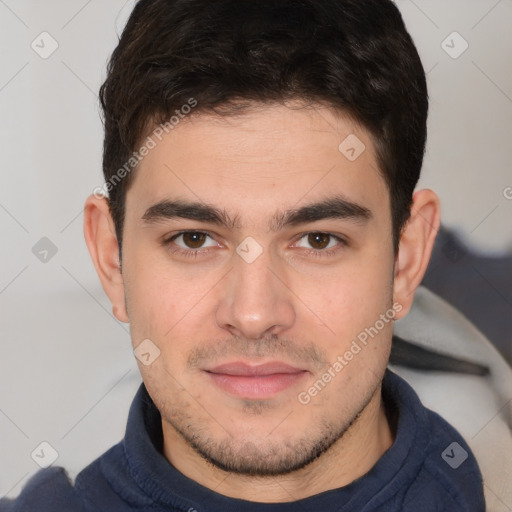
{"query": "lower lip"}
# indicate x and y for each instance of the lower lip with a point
(257, 387)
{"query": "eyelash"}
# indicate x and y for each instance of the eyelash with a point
(317, 253)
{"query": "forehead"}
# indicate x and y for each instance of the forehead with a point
(258, 162)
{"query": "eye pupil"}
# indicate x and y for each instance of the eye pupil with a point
(194, 240)
(319, 240)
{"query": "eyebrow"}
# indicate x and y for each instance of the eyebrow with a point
(331, 208)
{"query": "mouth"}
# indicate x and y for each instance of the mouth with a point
(256, 382)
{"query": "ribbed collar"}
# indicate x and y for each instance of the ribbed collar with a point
(395, 470)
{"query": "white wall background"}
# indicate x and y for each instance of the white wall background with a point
(67, 374)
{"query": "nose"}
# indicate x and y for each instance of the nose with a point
(256, 299)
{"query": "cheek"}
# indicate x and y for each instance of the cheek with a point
(359, 312)
(154, 296)
(168, 305)
(352, 301)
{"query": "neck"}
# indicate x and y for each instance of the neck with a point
(352, 456)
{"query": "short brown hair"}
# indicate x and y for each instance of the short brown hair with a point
(353, 55)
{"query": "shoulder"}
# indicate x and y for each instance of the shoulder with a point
(49, 490)
(449, 474)
(443, 472)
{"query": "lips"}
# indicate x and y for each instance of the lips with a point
(243, 369)
(255, 381)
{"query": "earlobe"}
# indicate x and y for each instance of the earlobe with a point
(101, 239)
(416, 244)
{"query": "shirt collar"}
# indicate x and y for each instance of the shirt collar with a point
(162, 483)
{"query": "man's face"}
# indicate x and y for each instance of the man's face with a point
(250, 308)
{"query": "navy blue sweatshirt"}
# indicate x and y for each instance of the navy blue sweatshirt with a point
(429, 467)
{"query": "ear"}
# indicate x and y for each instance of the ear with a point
(101, 239)
(416, 243)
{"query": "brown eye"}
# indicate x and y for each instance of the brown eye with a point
(194, 240)
(191, 244)
(321, 244)
(319, 240)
